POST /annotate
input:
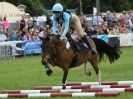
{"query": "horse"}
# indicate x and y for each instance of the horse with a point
(56, 53)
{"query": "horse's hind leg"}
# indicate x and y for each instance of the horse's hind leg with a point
(86, 71)
(94, 64)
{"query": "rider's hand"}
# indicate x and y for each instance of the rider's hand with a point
(62, 38)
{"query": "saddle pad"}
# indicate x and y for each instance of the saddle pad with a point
(67, 45)
(81, 45)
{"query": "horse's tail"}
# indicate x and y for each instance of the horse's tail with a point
(113, 53)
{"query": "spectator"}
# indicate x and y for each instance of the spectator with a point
(22, 23)
(115, 19)
(34, 20)
(100, 31)
(115, 29)
(2, 37)
(109, 17)
(14, 36)
(29, 22)
(104, 18)
(20, 34)
(97, 19)
(121, 20)
(28, 35)
(35, 35)
(89, 30)
(5, 25)
(25, 37)
(42, 33)
(83, 18)
(49, 21)
(1, 28)
(105, 29)
(123, 29)
(129, 23)
(0, 19)
(110, 27)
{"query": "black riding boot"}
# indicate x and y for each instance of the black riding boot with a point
(88, 43)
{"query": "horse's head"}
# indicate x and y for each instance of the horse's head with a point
(54, 40)
(44, 44)
(51, 42)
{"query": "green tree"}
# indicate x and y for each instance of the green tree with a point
(37, 7)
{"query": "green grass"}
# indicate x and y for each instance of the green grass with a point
(27, 72)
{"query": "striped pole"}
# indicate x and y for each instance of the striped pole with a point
(81, 87)
(67, 91)
(87, 94)
(97, 83)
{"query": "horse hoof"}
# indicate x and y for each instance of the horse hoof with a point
(88, 73)
(63, 87)
(49, 72)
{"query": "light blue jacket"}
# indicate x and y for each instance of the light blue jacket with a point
(66, 20)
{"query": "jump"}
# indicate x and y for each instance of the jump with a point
(56, 53)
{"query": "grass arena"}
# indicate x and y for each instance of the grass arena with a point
(25, 77)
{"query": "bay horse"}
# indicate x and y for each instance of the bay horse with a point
(56, 53)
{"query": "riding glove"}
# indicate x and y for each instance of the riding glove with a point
(63, 38)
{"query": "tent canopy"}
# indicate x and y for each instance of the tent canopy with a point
(10, 11)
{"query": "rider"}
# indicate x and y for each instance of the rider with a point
(68, 18)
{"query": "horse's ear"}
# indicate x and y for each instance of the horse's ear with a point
(42, 38)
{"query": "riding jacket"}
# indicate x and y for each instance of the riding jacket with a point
(66, 19)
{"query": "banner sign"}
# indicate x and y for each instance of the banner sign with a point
(130, 39)
(31, 47)
(103, 37)
(123, 39)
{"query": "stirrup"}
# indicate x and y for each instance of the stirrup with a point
(93, 51)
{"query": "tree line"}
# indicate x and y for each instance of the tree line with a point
(37, 7)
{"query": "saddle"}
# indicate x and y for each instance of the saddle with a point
(77, 45)
(81, 45)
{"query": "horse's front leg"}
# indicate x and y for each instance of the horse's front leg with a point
(64, 79)
(47, 68)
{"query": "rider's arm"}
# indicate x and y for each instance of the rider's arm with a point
(66, 24)
(54, 28)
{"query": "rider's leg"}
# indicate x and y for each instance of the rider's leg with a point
(78, 27)
(90, 46)
(72, 43)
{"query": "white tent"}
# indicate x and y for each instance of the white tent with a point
(10, 11)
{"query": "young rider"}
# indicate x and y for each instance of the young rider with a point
(61, 15)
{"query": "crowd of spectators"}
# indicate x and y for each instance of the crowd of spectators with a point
(28, 29)
(110, 23)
